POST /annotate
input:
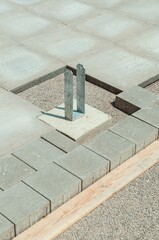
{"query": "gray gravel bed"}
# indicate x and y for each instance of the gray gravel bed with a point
(154, 87)
(49, 94)
(131, 214)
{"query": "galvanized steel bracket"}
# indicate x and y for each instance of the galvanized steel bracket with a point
(70, 113)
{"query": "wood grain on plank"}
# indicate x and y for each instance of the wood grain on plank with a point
(61, 219)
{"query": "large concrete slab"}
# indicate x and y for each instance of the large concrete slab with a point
(65, 43)
(144, 10)
(145, 43)
(33, 24)
(23, 206)
(38, 153)
(119, 67)
(112, 26)
(12, 170)
(85, 127)
(149, 115)
(55, 183)
(103, 3)
(26, 2)
(85, 164)
(7, 7)
(18, 121)
(19, 66)
(61, 141)
(135, 98)
(113, 147)
(5, 41)
(139, 132)
(6, 229)
(73, 11)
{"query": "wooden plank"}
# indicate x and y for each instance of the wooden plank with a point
(78, 207)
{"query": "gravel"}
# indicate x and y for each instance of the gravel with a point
(131, 214)
(154, 87)
(49, 94)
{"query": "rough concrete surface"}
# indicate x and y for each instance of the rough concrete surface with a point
(131, 214)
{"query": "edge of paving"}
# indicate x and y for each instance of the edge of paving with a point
(82, 204)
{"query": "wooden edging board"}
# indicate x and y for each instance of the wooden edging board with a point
(65, 216)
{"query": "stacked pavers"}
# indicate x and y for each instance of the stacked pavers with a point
(45, 173)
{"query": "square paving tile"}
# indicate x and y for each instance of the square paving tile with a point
(23, 206)
(85, 164)
(7, 7)
(5, 41)
(113, 147)
(38, 153)
(27, 2)
(65, 13)
(18, 121)
(103, 3)
(139, 132)
(23, 24)
(55, 183)
(12, 170)
(65, 43)
(112, 26)
(119, 67)
(6, 229)
(19, 66)
(143, 9)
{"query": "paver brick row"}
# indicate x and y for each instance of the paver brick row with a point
(6, 229)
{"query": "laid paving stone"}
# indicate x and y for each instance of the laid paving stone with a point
(119, 27)
(139, 132)
(7, 7)
(65, 13)
(6, 229)
(149, 115)
(135, 98)
(18, 121)
(23, 206)
(60, 140)
(113, 147)
(128, 68)
(38, 153)
(55, 183)
(26, 2)
(20, 66)
(103, 3)
(12, 170)
(85, 164)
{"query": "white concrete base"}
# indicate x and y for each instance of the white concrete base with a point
(84, 128)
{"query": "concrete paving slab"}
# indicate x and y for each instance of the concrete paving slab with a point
(13, 24)
(149, 115)
(112, 26)
(135, 9)
(113, 147)
(23, 206)
(81, 129)
(65, 13)
(55, 183)
(38, 153)
(65, 43)
(119, 67)
(18, 122)
(7, 7)
(139, 132)
(12, 170)
(85, 164)
(145, 43)
(135, 98)
(5, 41)
(20, 66)
(61, 141)
(26, 2)
(102, 3)
(6, 229)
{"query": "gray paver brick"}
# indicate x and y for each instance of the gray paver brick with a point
(113, 147)
(85, 164)
(23, 206)
(149, 115)
(6, 229)
(139, 132)
(38, 153)
(60, 140)
(12, 170)
(135, 98)
(55, 183)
